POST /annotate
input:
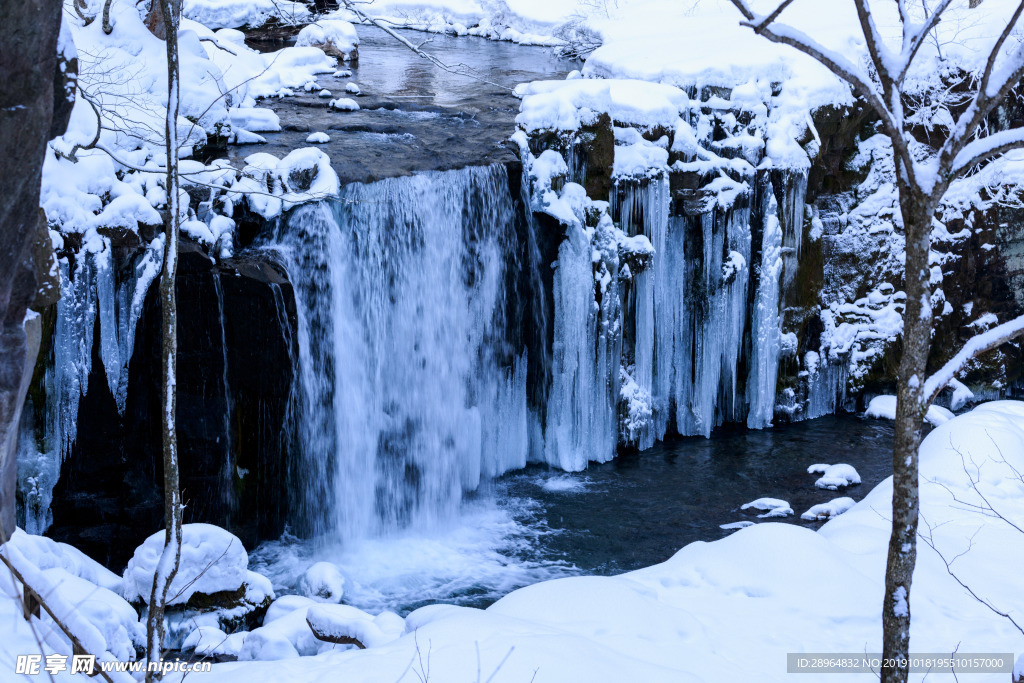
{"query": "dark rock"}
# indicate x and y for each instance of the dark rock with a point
(235, 322)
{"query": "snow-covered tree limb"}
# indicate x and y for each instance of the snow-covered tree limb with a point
(984, 149)
(976, 346)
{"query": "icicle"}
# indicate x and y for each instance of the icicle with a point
(581, 417)
(148, 266)
(766, 330)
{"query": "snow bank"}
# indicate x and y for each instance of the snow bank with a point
(884, 407)
(238, 13)
(212, 560)
(342, 621)
(732, 609)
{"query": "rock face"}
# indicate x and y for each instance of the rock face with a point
(28, 118)
(234, 384)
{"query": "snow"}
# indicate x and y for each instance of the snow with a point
(344, 104)
(772, 507)
(318, 138)
(333, 36)
(352, 89)
(835, 476)
(238, 13)
(339, 621)
(832, 508)
(702, 614)
(731, 526)
(212, 560)
(884, 407)
(322, 582)
(566, 105)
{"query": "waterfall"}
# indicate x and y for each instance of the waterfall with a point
(408, 392)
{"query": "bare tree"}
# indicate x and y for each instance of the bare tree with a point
(923, 174)
(167, 565)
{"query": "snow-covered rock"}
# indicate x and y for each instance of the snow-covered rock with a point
(335, 37)
(213, 560)
(210, 641)
(352, 89)
(338, 622)
(322, 582)
(832, 508)
(285, 605)
(344, 104)
(733, 526)
(318, 138)
(772, 507)
(834, 476)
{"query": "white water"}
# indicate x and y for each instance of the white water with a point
(407, 393)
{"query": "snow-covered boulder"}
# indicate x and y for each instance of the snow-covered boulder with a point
(318, 138)
(213, 560)
(344, 104)
(335, 37)
(46, 553)
(322, 582)
(834, 477)
(213, 586)
(833, 508)
(348, 625)
(772, 507)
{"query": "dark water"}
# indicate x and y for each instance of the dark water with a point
(640, 509)
(414, 115)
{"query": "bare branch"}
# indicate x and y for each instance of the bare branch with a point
(917, 40)
(763, 24)
(465, 71)
(974, 347)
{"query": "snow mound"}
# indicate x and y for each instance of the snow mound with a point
(304, 175)
(884, 408)
(210, 641)
(45, 553)
(107, 611)
(212, 560)
(238, 13)
(335, 37)
(828, 510)
(352, 89)
(343, 621)
(285, 605)
(318, 138)
(322, 582)
(344, 104)
(837, 476)
(731, 526)
(772, 507)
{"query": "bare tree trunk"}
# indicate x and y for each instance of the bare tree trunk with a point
(917, 330)
(167, 566)
(155, 19)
